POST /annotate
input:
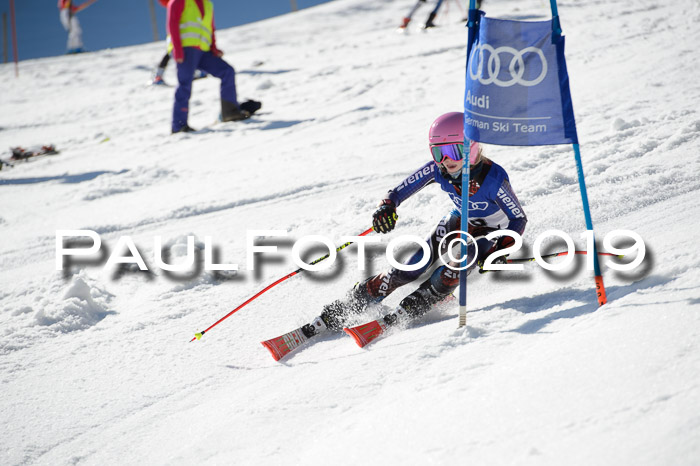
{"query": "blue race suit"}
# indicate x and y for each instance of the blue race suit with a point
(492, 206)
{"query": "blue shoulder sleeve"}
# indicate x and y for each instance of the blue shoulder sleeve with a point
(414, 183)
(508, 202)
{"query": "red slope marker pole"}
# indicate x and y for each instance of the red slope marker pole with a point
(198, 336)
(14, 37)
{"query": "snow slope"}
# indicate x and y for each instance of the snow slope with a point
(96, 368)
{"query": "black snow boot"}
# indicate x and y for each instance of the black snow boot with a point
(429, 24)
(232, 112)
(185, 129)
(251, 106)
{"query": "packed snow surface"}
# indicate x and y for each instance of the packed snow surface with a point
(95, 362)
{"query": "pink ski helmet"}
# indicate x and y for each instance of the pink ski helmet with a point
(448, 129)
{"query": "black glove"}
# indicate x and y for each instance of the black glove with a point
(477, 231)
(498, 260)
(502, 243)
(384, 219)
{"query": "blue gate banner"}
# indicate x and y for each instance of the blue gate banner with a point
(517, 87)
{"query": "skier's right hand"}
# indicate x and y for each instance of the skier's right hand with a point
(384, 219)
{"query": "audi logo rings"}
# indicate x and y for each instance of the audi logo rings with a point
(493, 65)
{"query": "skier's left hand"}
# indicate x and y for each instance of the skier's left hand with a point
(498, 260)
(502, 243)
(479, 232)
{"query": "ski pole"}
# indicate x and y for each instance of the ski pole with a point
(199, 335)
(560, 253)
(522, 260)
(84, 5)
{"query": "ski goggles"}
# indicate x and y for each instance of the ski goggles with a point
(454, 151)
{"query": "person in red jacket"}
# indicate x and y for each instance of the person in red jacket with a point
(193, 44)
(160, 70)
(67, 14)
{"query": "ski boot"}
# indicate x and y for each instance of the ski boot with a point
(430, 24)
(232, 112)
(336, 313)
(184, 129)
(416, 304)
(158, 81)
(158, 77)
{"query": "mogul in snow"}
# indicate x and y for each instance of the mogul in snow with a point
(493, 206)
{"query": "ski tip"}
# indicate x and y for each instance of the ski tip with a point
(361, 342)
(276, 355)
(364, 334)
(281, 346)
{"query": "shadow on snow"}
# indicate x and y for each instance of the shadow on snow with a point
(63, 178)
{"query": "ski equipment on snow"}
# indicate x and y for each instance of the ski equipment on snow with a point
(23, 154)
(281, 346)
(20, 153)
(365, 333)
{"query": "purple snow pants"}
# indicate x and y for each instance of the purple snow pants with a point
(443, 279)
(209, 63)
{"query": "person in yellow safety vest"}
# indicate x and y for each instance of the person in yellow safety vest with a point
(192, 42)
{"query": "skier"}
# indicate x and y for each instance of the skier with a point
(193, 44)
(493, 206)
(429, 23)
(69, 20)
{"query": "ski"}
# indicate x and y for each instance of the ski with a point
(21, 154)
(284, 344)
(366, 333)
(370, 331)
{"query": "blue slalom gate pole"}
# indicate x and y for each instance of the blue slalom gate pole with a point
(600, 286)
(464, 224)
(556, 25)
